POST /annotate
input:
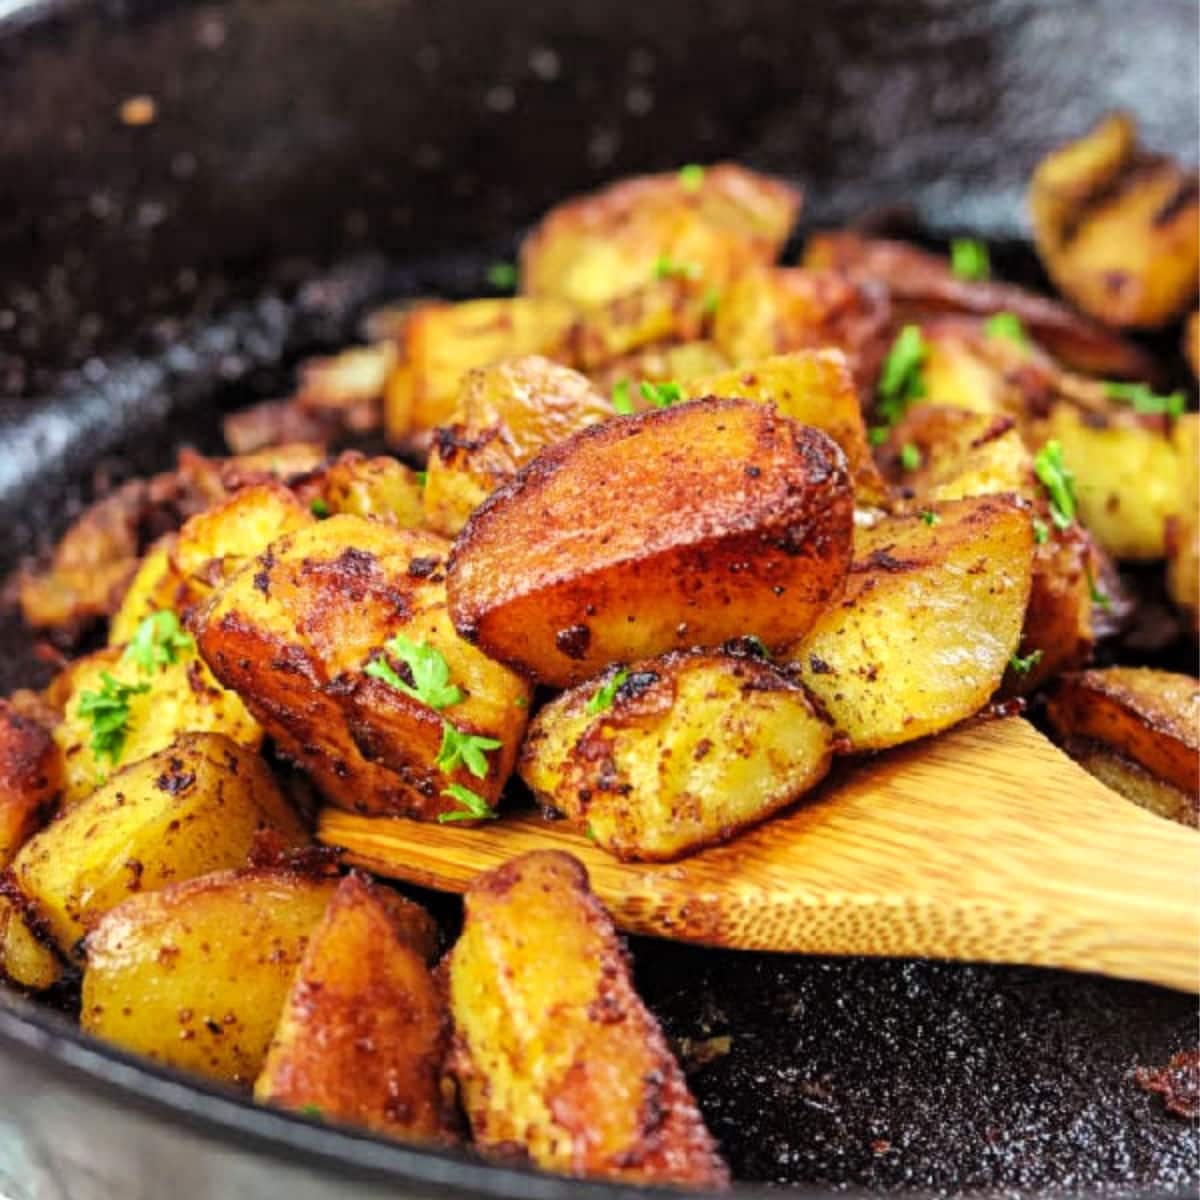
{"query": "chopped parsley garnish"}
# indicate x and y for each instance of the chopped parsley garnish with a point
(502, 276)
(422, 478)
(589, 832)
(319, 508)
(428, 667)
(910, 457)
(108, 712)
(466, 748)
(621, 401)
(877, 435)
(900, 381)
(1097, 596)
(1041, 531)
(691, 177)
(661, 395)
(1023, 666)
(158, 642)
(665, 267)
(969, 259)
(710, 302)
(474, 806)
(930, 517)
(1058, 481)
(601, 699)
(311, 1110)
(1006, 325)
(1144, 400)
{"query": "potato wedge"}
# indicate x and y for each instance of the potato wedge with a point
(196, 975)
(1182, 540)
(300, 635)
(930, 617)
(193, 807)
(365, 1030)
(155, 587)
(690, 748)
(554, 1052)
(27, 957)
(671, 529)
(30, 778)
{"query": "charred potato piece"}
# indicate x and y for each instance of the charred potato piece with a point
(554, 1052)
(810, 387)
(300, 635)
(27, 957)
(1117, 230)
(196, 975)
(507, 413)
(1151, 717)
(930, 617)
(682, 527)
(156, 586)
(1183, 525)
(380, 487)
(365, 1030)
(691, 748)
(192, 808)
(30, 778)
(708, 225)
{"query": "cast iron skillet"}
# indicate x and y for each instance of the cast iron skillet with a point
(310, 159)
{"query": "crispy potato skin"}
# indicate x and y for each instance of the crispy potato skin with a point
(1182, 542)
(192, 808)
(685, 526)
(694, 747)
(1149, 716)
(30, 778)
(810, 387)
(930, 616)
(196, 975)
(1131, 780)
(293, 633)
(365, 1030)
(554, 1052)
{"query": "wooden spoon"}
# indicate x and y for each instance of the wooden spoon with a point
(986, 843)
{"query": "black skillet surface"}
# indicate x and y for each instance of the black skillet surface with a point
(310, 159)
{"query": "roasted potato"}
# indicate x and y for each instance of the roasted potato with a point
(30, 778)
(707, 224)
(931, 614)
(305, 635)
(682, 527)
(196, 975)
(666, 310)
(1118, 230)
(669, 363)
(349, 385)
(507, 413)
(192, 808)
(1131, 780)
(157, 585)
(554, 1052)
(1191, 342)
(676, 752)
(1182, 542)
(27, 957)
(365, 1031)
(380, 487)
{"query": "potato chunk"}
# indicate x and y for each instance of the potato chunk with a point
(691, 748)
(666, 530)
(196, 975)
(1182, 540)
(30, 778)
(192, 808)
(26, 957)
(156, 586)
(1118, 230)
(554, 1052)
(300, 635)
(380, 487)
(365, 1030)
(930, 617)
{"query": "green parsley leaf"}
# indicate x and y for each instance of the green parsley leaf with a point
(1097, 596)
(665, 267)
(621, 401)
(502, 276)
(900, 381)
(601, 700)
(691, 177)
(466, 748)
(1041, 531)
(429, 670)
(422, 478)
(589, 832)
(158, 642)
(1023, 666)
(1006, 325)
(910, 457)
(474, 807)
(710, 302)
(311, 1110)
(521, 702)
(1143, 400)
(969, 259)
(319, 508)
(1058, 481)
(661, 395)
(930, 517)
(108, 712)
(877, 435)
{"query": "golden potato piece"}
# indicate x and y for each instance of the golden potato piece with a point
(668, 363)
(688, 749)
(811, 387)
(196, 975)
(507, 413)
(349, 385)
(380, 487)
(192, 808)
(302, 635)
(1118, 230)
(706, 224)
(671, 529)
(27, 957)
(155, 587)
(666, 310)
(1191, 342)
(1182, 542)
(930, 617)
(365, 1030)
(554, 1052)
(30, 778)
(1131, 780)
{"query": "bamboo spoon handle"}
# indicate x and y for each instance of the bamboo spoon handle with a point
(984, 844)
